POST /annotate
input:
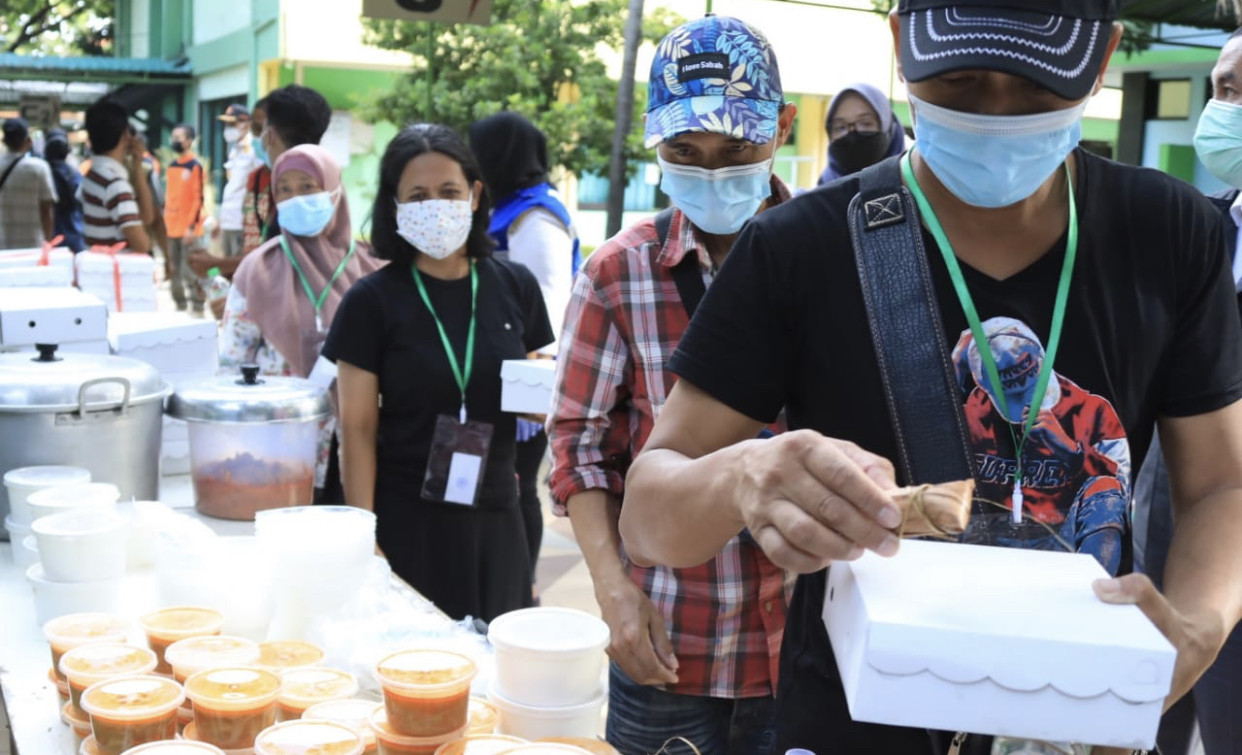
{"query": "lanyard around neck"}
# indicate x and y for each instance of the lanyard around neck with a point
(976, 327)
(316, 300)
(462, 376)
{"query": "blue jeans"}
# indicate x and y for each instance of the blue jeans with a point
(641, 719)
(1216, 700)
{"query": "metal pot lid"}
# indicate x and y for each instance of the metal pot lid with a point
(49, 381)
(248, 398)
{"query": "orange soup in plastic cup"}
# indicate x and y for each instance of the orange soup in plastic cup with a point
(426, 692)
(195, 654)
(481, 716)
(354, 713)
(232, 705)
(303, 687)
(390, 742)
(169, 625)
(308, 738)
(75, 719)
(481, 744)
(283, 654)
(132, 710)
(593, 746)
(89, 664)
(176, 747)
(65, 633)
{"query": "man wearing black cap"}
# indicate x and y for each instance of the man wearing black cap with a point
(1022, 232)
(27, 194)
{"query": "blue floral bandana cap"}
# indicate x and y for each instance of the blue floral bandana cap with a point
(715, 75)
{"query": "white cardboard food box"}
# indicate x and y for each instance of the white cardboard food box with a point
(526, 385)
(50, 315)
(60, 257)
(171, 342)
(995, 641)
(49, 276)
(97, 273)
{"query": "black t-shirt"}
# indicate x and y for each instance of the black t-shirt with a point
(383, 327)
(1151, 328)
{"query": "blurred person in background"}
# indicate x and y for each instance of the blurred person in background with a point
(27, 192)
(862, 131)
(115, 193)
(241, 161)
(67, 221)
(184, 196)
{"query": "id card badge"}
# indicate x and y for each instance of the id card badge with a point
(323, 373)
(457, 460)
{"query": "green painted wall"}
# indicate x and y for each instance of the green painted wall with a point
(1178, 160)
(345, 89)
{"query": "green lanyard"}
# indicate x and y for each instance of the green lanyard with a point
(462, 376)
(316, 300)
(976, 327)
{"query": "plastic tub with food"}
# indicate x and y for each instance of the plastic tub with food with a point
(426, 692)
(176, 747)
(279, 655)
(482, 716)
(129, 711)
(593, 746)
(392, 742)
(75, 718)
(302, 688)
(90, 664)
(82, 545)
(309, 738)
(23, 482)
(195, 654)
(355, 713)
(531, 722)
(53, 599)
(168, 625)
(548, 657)
(74, 630)
(87, 495)
(232, 705)
(480, 744)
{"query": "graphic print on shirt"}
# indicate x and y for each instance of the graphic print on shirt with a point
(1075, 463)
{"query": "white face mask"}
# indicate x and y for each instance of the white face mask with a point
(435, 227)
(231, 134)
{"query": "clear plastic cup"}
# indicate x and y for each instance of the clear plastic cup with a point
(175, 747)
(285, 654)
(426, 692)
(132, 710)
(547, 748)
(75, 719)
(593, 746)
(481, 717)
(308, 738)
(354, 713)
(232, 705)
(90, 664)
(67, 632)
(62, 688)
(166, 626)
(391, 742)
(304, 687)
(480, 744)
(191, 734)
(195, 654)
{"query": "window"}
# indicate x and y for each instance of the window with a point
(1168, 99)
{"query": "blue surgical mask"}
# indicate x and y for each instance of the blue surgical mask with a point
(308, 214)
(1218, 141)
(717, 201)
(994, 160)
(260, 153)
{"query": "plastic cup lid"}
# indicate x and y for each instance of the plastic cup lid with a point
(548, 630)
(79, 523)
(233, 688)
(548, 748)
(183, 621)
(87, 664)
(175, 747)
(46, 476)
(283, 654)
(132, 697)
(76, 495)
(306, 686)
(481, 744)
(352, 712)
(194, 654)
(80, 628)
(425, 668)
(308, 738)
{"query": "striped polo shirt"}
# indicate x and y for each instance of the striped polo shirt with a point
(108, 202)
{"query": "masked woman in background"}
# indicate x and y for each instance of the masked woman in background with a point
(862, 131)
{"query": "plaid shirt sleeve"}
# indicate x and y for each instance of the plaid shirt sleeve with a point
(588, 429)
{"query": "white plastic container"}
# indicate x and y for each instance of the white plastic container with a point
(53, 599)
(22, 482)
(548, 657)
(80, 546)
(143, 531)
(25, 553)
(534, 722)
(63, 498)
(17, 532)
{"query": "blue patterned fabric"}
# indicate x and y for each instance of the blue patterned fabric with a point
(717, 75)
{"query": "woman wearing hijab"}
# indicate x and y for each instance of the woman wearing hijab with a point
(862, 131)
(286, 293)
(530, 225)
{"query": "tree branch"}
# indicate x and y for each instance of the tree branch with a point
(42, 26)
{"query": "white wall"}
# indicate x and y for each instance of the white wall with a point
(230, 82)
(215, 19)
(139, 28)
(330, 31)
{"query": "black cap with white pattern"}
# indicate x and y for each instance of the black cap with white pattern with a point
(1058, 44)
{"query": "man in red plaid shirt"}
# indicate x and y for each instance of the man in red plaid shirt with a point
(694, 651)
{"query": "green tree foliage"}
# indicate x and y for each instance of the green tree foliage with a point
(57, 27)
(533, 53)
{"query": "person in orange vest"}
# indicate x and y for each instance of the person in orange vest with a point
(184, 216)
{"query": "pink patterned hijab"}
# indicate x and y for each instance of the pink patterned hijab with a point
(275, 297)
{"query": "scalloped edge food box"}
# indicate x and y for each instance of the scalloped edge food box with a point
(996, 641)
(526, 385)
(51, 315)
(171, 342)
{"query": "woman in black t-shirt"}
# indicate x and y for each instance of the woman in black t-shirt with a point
(419, 345)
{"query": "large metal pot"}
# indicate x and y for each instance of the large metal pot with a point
(103, 413)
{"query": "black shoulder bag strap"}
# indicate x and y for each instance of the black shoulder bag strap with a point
(8, 171)
(924, 401)
(687, 275)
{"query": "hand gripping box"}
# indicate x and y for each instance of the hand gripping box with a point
(30, 316)
(526, 385)
(997, 641)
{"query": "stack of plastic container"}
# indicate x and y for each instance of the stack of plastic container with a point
(19, 484)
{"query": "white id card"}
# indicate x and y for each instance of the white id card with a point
(323, 373)
(463, 478)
